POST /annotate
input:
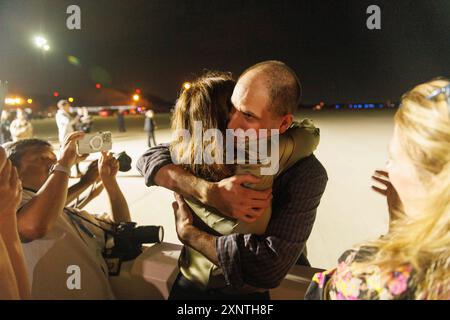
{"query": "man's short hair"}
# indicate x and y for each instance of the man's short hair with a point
(16, 150)
(283, 85)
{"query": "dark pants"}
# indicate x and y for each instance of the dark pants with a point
(151, 137)
(183, 289)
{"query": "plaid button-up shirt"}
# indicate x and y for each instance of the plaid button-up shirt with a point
(264, 260)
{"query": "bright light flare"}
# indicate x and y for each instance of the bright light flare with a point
(136, 97)
(40, 41)
(187, 85)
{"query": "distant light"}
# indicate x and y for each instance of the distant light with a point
(30, 101)
(98, 85)
(40, 42)
(13, 101)
(74, 61)
(136, 97)
(46, 47)
(337, 106)
(56, 94)
(187, 85)
(138, 91)
(70, 99)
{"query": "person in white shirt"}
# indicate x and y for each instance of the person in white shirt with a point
(57, 238)
(21, 128)
(66, 125)
(64, 120)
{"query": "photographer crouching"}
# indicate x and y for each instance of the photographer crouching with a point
(59, 240)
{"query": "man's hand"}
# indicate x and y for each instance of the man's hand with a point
(91, 175)
(10, 187)
(191, 236)
(231, 198)
(395, 205)
(108, 167)
(69, 155)
(183, 217)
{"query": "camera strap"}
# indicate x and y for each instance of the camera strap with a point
(72, 214)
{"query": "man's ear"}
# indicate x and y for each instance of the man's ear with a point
(286, 122)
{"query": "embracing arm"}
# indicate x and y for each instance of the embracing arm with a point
(158, 169)
(229, 196)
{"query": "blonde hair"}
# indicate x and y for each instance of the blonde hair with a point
(422, 241)
(206, 100)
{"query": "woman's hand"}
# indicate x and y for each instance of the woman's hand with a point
(108, 167)
(395, 205)
(10, 187)
(183, 217)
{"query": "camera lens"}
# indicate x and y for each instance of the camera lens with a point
(96, 143)
(149, 234)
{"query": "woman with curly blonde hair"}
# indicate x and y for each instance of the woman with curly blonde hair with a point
(413, 260)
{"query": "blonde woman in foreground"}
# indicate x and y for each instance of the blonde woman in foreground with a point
(413, 260)
(13, 277)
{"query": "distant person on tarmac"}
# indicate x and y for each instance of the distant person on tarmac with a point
(66, 124)
(64, 121)
(121, 121)
(5, 133)
(21, 128)
(150, 127)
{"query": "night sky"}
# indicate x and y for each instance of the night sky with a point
(157, 45)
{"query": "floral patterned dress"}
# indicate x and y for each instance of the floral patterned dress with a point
(341, 284)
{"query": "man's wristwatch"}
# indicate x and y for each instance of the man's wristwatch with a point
(58, 167)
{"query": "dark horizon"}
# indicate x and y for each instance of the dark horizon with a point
(157, 45)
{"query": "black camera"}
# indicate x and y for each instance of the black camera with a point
(128, 240)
